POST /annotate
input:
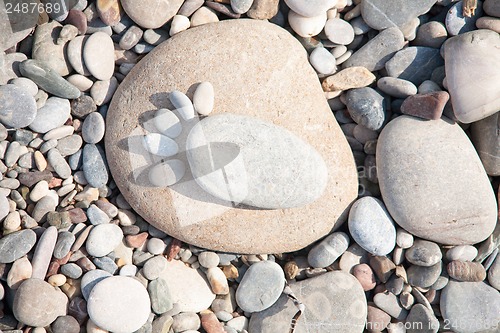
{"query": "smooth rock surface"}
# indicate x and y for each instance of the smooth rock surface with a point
(423, 253)
(452, 208)
(335, 295)
(99, 55)
(366, 107)
(119, 304)
(371, 226)
(479, 50)
(46, 49)
(414, 64)
(188, 287)
(457, 23)
(260, 287)
(15, 245)
(53, 114)
(306, 26)
(94, 165)
(328, 250)
(103, 239)
(37, 303)
(310, 8)
(486, 139)
(17, 106)
(470, 307)
(183, 210)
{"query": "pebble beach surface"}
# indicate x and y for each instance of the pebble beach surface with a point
(250, 166)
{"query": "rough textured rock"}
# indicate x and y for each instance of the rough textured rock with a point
(186, 212)
(453, 202)
(336, 295)
(479, 58)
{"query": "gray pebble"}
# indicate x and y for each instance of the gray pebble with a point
(395, 87)
(161, 300)
(97, 216)
(106, 264)
(69, 145)
(75, 161)
(93, 128)
(27, 84)
(42, 207)
(103, 239)
(423, 276)
(23, 136)
(15, 245)
(43, 253)
(367, 107)
(415, 63)
(462, 253)
(94, 165)
(457, 23)
(424, 253)
(53, 114)
(71, 270)
(59, 164)
(422, 320)
(13, 152)
(65, 240)
(131, 37)
(48, 145)
(208, 259)
(328, 250)
(17, 106)
(83, 106)
(186, 321)
(389, 303)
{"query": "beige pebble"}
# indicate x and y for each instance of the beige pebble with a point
(217, 281)
(40, 161)
(83, 83)
(57, 280)
(466, 271)
(203, 15)
(179, 23)
(21, 270)
(12, 221)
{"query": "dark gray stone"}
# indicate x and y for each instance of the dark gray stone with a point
(414, 63)
(378, 50)
(366, 107)
(492, 7)
(48, 79)
(423, 276)
(106, 264)
(94, 165)
(17, 106)
(422, 320)
(65, 240)
(65, 324)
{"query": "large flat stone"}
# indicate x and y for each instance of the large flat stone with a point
(272, 81)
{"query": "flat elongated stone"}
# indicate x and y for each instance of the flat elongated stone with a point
(53, 114)
(48, 79)
(232, 167)
(453, 208)
(94, 165)
(414, 63)
(479, 58)
(335, 295)
(184, 210)
(15, 245)
(349, 78)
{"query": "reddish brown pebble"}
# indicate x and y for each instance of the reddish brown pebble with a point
(377, 320)
(85, 264)
(109, 11)
(231, 272)
(173, 248)
(78, 19)
(426, 106)
(383, 267)
(365, 276)
(136, 241)
(55, 182)
(64, 260)
(466, 271)
(77, 215)
(53, 268)
(210, 323)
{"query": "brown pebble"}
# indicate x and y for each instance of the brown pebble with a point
(82, 237)
(426, 106)
(349, 78)
(377, 320)
(109, 11)
(231, 272)
(466, 271)
(291, 270)
(210, 323)
(136, 241)
(77, 215)
(78, 19)
(31, 178)
(263, 9)
(486, 22)
(173, 248)
(55, 182)
(383, 267)
(53, 268)
(85, 264)
(365, 276)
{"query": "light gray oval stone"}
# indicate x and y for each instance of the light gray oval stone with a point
(160, 145)
(57, 161)
(423, 253)
(424, 276)
(97, 216)
(323, 61)
(328, 250)
(292, 178)
(65, 240)
(310, 8)
(99, 56)
(75, 55)
(17, 106)
(119, 304)
(15, 245)
(182, 104)
(454, 203)
(167, 123)
(470, 307)
(151, 14)
(371, 226)
(339, 31)
(395, 87)
(69, 145)
(103, 239)
(53, 114)
(93, 128)
(167, 173)
(335, 295)
(260, 287)
(153, 267)
(462, 253)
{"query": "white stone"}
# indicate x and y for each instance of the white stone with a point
(339, 31)
(182, 104)
(167, 123)
(203, 98)
(119, 304)
(179, 23)
(188, 287)
(310, 8)
(306, 26)
(462, 253)
(167, 173)
(40, 190)
(103, 238)
(99, 56)
(160, 145)
(323, 61)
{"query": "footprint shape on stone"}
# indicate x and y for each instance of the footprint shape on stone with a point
(206, 158)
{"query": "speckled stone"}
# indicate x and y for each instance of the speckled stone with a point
(17, 106)
(201, 220)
